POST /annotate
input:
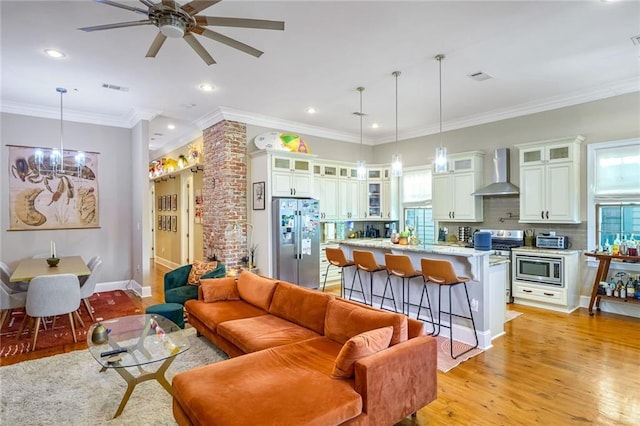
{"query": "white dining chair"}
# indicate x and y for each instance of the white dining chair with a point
(52, 295)
(5, 276)
(89, 286)
(90, 264)
(9, 301)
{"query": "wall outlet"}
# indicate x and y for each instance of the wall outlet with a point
(474, 305)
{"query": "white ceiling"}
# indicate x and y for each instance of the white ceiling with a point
(541, 55)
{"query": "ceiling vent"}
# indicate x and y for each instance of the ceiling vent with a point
(479, 76)
(114, 87)
(636, 40)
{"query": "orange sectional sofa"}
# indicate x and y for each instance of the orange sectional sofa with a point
(302, 357)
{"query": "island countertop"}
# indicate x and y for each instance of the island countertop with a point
(381, 243)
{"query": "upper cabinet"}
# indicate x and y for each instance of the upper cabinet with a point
(550, 181)
(291, 176)
(452, 200)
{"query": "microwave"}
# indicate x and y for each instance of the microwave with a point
(545, 270)
(552, 242)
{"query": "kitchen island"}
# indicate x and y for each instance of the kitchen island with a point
(487, 287)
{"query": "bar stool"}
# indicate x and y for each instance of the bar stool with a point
(399, 265)
(441, 272)
(336, 257)
(365, 261)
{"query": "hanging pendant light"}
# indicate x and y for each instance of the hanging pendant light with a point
(55, 163)
(361, 166)
(441, 151)
(396, 159)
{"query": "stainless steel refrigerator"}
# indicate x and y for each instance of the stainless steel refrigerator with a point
(296, 241)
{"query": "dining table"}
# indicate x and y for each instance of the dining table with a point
(30, 268)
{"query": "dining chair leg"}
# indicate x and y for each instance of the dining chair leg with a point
(78, 318)
(5, 314)
(35, 333)
(53, 323)
(87, 305)
(22, 324)
(73, 326)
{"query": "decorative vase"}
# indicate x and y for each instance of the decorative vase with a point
(53, 261)
(100, 334)
(403, 241)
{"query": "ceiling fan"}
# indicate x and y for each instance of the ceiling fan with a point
(176, 21)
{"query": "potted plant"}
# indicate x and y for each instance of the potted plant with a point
(403, 238)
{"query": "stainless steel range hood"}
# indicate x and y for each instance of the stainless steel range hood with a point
(501, 184)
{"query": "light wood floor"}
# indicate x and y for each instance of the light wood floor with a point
(549, 368)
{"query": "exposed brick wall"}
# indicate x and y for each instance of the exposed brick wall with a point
(225, 191)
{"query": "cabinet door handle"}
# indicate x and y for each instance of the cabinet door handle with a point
(549, 294)
(527, 291)
(547, 214)
(542, 214)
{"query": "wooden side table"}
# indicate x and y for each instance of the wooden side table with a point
(604, 261)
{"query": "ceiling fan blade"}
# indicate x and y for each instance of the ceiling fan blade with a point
(239, 22)
(147, 3)
(228, 41)
(117, 25)
(197, 6)
(156, 45)
(123, 6)
(200, 50)
(169, 3)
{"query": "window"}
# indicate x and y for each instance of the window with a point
(416, 203)
(613, 194)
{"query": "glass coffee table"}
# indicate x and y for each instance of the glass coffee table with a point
(150, 341)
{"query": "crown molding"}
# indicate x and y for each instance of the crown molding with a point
(225, 113)
(128, 121)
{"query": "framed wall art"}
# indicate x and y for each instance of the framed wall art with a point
(174, 202)
(174, 223)
(159, 223)
(159, 202)
(258, 195)
(43, 197)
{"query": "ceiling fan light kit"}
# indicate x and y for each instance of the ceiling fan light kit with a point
(175, 21)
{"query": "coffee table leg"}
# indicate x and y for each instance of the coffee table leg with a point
(132, 381)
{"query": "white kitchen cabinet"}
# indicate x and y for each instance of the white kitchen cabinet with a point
(333, 273)
(452, 200)
(291, 176)
(351, 193)
(550, 181)
(326, 190)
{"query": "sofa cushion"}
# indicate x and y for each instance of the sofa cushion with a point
(358, 347)
(181, 294)
(266, 331)
(212, 314)
(277, 389)
(200, 268)
(255, 289)
(346, 319)
(300, 305)
(217, 289)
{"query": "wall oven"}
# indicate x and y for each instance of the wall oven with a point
(539, 269)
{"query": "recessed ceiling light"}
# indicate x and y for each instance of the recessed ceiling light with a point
(311, 110)
(171, 126)
(375, 125)
(206, 87)
(54, 53)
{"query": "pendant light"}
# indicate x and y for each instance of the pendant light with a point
(55, 163)
(361, 167)
(441, 151)
(396, 159)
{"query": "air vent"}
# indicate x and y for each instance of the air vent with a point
(636, 40)
(479, 76)
(114, 87)
(158, 134)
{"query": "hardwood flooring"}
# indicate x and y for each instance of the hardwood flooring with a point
(549, 368)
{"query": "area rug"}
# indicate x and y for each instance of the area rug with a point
(106, 305)
(445, 362)
(512, 314)
(68, 389)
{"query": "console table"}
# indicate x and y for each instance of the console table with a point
(604, 261)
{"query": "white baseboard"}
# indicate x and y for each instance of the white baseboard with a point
(611, 306)
(167, 263)
(125, 285)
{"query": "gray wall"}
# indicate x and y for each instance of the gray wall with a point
(113, 240)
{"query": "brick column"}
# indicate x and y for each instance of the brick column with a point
(225, 191)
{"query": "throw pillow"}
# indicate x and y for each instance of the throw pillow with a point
(216, 289)
(358, 347)
(200, 268)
